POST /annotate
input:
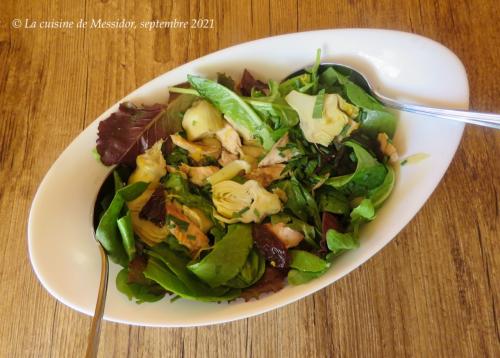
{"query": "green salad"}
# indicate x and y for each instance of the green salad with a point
(232, 189)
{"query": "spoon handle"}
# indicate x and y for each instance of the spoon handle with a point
(482, 119)
(95, 329)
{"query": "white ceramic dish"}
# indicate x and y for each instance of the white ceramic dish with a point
(62, 249)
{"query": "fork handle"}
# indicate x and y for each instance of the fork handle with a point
(95, 329)
(491, 120)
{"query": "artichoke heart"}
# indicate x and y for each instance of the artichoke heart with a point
(202, 120)
(151, 167)
(337, 114)
(248, 202)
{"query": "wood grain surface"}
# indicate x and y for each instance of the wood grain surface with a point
(433, 291)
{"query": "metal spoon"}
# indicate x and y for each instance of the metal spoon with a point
(95, 328)
(478, 118)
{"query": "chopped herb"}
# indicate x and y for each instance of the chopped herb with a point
(238, 214)
(403, 162)
(256, 212)
(183, 225)
(191, 237)
(319, 104)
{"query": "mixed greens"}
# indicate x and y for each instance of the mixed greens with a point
(231, 191)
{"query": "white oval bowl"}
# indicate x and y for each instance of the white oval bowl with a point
(62, 248)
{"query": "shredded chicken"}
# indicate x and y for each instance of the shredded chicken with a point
(193, 238)
(266, 175)
(229, 139)
(197, 175)
(278, 153)
(226, 158)
(289, 237)
(387, 147)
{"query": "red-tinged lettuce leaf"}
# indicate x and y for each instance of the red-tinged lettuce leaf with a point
(136, 268)
(154, 210)
(248, 82)
(269, 246)
(271, 281)
(129, 132)
(329, 221)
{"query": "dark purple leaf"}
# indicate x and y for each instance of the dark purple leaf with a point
(329, 221)
(155, 210)
(273, 250)
(248, 82)
(271, 281)
(129, 132)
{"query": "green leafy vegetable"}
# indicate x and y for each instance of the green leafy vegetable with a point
(242, 115)
(382, 192)
(338, 242)
(107, 231)
(368, 175)
(319, 104)
(141, 293)
(305, 261)
(251, 272)
(297, 225)
(333, 201)
(226, 258)
(127, 234)
(176, 110)
(296, 277)
(274, 108)
(300, 201)
(178, 187)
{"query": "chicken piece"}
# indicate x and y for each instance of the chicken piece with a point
(197, 175)
(200, 150)
(387, 147)
(229, 139)
(289, 237)
(266, 175)
(192, 237)
(226, 158)
(278, 153)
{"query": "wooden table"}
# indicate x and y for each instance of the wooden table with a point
(434, 291)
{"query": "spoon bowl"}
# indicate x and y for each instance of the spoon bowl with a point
(490, 120)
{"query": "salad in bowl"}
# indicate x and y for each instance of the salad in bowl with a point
(232, 190)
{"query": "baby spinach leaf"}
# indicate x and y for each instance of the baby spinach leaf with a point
(107, 230)
(274, 108)
(296, 277)
(229, 103)
(305, 261)
(365, 210)
(177, 264)
(300, 201)
(251, 272)
(382, 192)
(141, 293)
(160, 273)
(376, 121)
(127, 234)
(332, 201)
(176, 109)
(369, 173)
(338, 242)
(226, 258)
